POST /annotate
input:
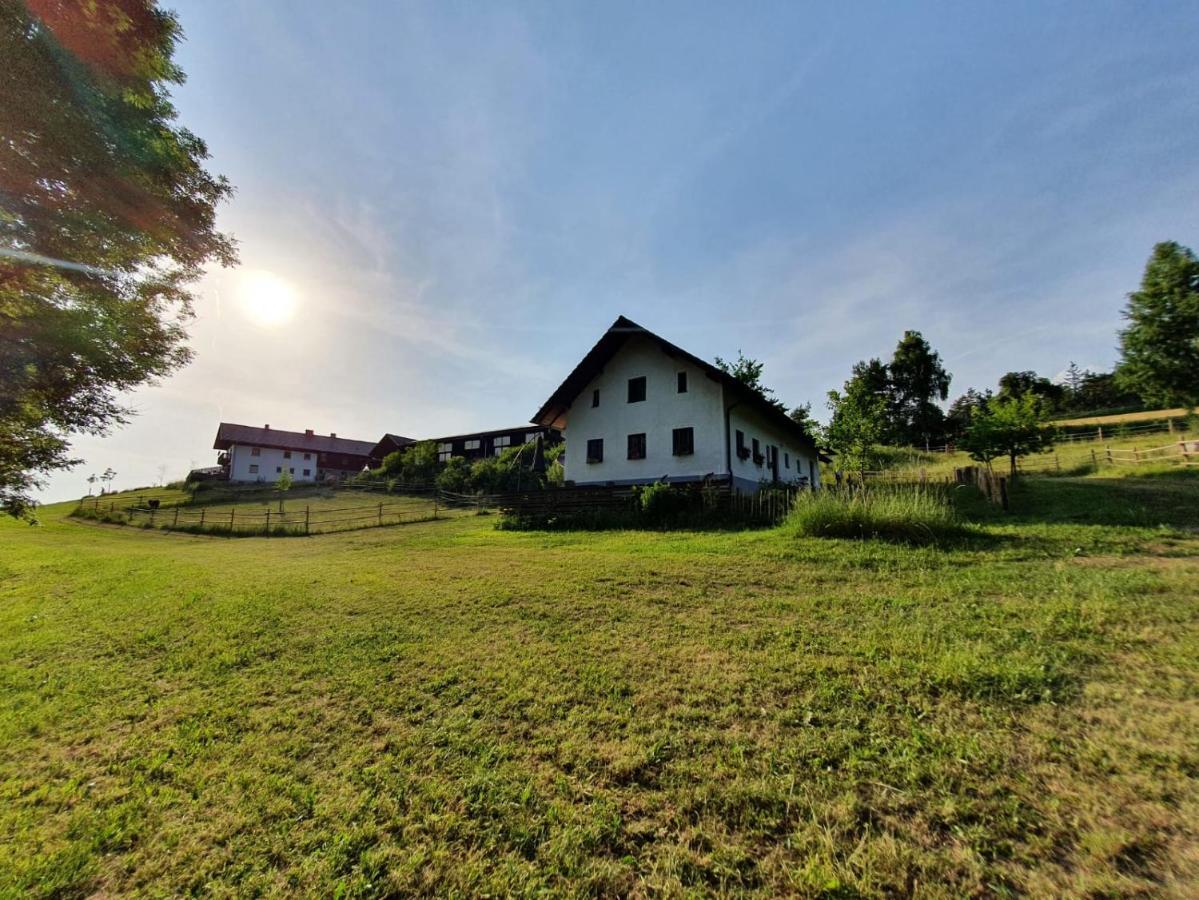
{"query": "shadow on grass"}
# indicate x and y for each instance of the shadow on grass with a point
(1139, 502)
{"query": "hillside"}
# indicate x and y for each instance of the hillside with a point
(447, 708)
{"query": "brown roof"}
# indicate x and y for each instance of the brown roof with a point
(228, 434)
(553, 411)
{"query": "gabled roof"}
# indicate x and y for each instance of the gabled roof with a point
(553, 411)
(228, 434)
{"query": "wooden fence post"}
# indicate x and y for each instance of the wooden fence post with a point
(380, 513)
(1100, 432)
(1186, 457)
(202, 511)
(268, 521)
(1170, 425)
(231, 512)
(305, 520)
(175, 524)
(1109, 455)
(1136, 454)
(1057, 463)
(1094, 461)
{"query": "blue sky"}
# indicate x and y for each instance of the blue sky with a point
(461, 197)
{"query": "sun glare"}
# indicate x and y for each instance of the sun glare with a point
(266, 298)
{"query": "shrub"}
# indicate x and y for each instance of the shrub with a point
(917, 514)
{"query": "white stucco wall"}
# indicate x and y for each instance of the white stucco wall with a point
(663, 410)
(746, 473)
(241, 459)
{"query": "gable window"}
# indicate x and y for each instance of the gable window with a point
(595, 398)
(682, 379)
(256, 451)
(307, 456)
(683, 441)
(595, 450)
(742, 450)
(637, 389)
(287, 454)
(444, 452)
(500, 443)
(253, 469)
(637, 446)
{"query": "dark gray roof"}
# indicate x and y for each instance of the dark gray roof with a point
(228, 434)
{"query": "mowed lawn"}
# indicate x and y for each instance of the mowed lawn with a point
(445, 708)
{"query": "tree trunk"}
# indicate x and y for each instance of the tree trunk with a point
(1013, 457)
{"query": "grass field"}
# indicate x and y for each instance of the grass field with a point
(448, 708)
(1148, 415)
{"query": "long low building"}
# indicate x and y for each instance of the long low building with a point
(476, 445)
(250, 453)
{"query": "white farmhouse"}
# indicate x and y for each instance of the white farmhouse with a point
(262, 454)
(638, 409)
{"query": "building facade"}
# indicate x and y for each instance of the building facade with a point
(252, 454)
(638, 409)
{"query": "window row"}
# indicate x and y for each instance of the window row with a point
(257, 451)
(770, 458)
(279, 470)
(682, 444)
(636, 389)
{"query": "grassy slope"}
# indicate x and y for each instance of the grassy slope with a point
(445, 707)
(1148, 415)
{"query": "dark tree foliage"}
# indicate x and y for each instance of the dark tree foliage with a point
(1099, 391)
(917, 381)
(1017, 384)
(1160, 345)
(964, 409)
(802, 416)
(749, 373)
(106, 214)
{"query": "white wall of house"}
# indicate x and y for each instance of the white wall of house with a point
(663, 410)
(244, 465)
(795, 460)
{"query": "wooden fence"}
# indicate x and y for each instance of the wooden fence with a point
(993, 487)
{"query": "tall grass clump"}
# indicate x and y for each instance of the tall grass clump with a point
(908, 513)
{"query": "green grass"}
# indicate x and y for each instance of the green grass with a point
(911, 513)
(448, 708)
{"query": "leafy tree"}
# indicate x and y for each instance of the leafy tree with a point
(802, 416)
(415, 464)
(963, 410)
(1160, 346)
(749, 373)
(454, 475)
(858, 422)
(1011, 426)
(916, 380)
(1017, 384)
(283, 484)
(1100, 390)
(107, 213)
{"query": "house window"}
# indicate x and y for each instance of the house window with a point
(595, 398)
(683, 440)
(595, 450)
(287, 454)
(637, 389)
(291, 471)
(474, 445)
(253, 469)
(637, 446)
(444, 452)
(307, 456)
(278, 470)
(757, 452)
(742, 450)
(682, 382)
(531, 437)
(786, 460)
(256, 451)
(500, 443)
(307, 472)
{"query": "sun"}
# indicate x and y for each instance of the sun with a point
(266, 298)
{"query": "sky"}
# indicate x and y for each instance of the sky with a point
(440, 207)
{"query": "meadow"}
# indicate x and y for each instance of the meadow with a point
(447, 708)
